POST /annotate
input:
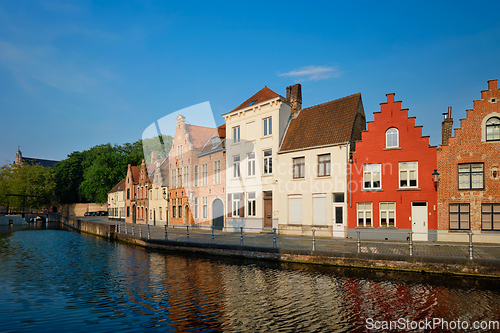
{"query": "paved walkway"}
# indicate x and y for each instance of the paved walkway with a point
(266, 239)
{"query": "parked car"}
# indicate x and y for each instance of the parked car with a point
(87, 214)
(102, 213)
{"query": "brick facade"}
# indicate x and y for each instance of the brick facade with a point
(470, 148)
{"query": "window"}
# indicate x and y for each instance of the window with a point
(205, 207)
(195, 175)
(268, 162)
(252, 103)
(251, 164)
(298, 167)
(364, 214)
(371, 176)
(408, 174)
(387, 214)
(236, 205)
(186, 176)
(490, 216)
(173, 211)
(324, 162)
(236, 166)
(493, 129)
(251, 204)
(204, 175)
(179, 151)
(128, 211)
(161, 217)
(295, 209)
(471, 176)
(174, 178)
(391, 138)
(217, 172)
(195, 208)
(128, 194)
(179, 211)
(236, 134)
(319, 209)
(268, 126)
(459, 217)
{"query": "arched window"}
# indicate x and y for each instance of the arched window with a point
(493, 129)
(391, 138)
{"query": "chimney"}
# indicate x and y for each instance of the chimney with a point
(492, 85)
(447, 127)
(154, 156)
(294, 97)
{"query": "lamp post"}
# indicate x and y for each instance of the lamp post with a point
(168, 206)
(435, 178)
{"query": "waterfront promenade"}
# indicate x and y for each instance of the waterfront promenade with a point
(437, 257)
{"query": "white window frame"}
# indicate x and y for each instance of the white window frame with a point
(251, 164)
(327, 166)
(235, 205)
(299, 167)
(268, 161)
(204, 174)
(179, 152)
(236, 134)
(196, 175)
(251, 209)
(268, 126)
(384, 207)
(216, 172)
(236, 166)
(494, 131)
(371, 169)
(392, 133)
(196, 207)
(204, 201)
(408, 170)
(364, 212)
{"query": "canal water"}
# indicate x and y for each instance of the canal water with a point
(60, 281)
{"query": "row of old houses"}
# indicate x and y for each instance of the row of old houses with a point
(325, 168)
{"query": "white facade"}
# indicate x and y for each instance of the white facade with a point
(314, 191)
(252, 142)
(158, 207)
(116, 204)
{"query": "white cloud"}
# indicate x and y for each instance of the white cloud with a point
(313, 73)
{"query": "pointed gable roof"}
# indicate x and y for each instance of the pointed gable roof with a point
(323, 124)
(198, 135)
(262, 95)
(135, 172)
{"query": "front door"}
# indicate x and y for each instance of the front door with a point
(218, 214)
(419, 224)
(338, 220)
(268, 209)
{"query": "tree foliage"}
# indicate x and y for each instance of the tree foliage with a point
(36, 183)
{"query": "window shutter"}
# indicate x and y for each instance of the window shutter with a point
(229, 205)
(295, 209)
(319, 209)
(242, 205)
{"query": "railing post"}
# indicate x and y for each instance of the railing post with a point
(359, 241)
(126, 231)
(117, 228)
(274, 238)
(213, 238)
(140, 231)
(411, 242)
(166, 236)
(314, 239)
(187, 232)
(241, 236)
(133, 232)
(149, 233)
(471, 249)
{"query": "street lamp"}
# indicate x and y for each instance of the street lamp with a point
(435, 178)
(167, 212)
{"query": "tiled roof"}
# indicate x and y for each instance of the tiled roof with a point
(119, 187)
(262, 95)
(39, 161)
(198, 135)
(323, 124)
(220, 133)
(136, 171)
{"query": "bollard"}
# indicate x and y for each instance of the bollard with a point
(187, 232)
(133, 232)
(411, 242)
(471, 249)
(359, 241)
(140, 231)
(117, 228)
(166, 236)
(274, 238)
(314, 239)
(241, 236)
(213, 238)
(149, 233)
(126, 231)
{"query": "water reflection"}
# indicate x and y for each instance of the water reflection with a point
(55, 280)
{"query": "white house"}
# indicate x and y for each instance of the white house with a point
(116, 201)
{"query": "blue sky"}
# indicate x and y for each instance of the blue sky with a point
(74, 74)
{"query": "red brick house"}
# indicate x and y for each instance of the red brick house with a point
(132, 180)
(391, 183)
(468, 166)
(143, 187)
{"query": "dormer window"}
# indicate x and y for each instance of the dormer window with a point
(391, 138)
(493, 129)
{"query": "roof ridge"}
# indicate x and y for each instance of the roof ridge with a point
(333, 100)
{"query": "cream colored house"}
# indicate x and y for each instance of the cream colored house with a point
(116, 201)
(158, 193)
(313, 168)
(254, 131)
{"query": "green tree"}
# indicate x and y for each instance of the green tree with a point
(69, 175)
(158, 144)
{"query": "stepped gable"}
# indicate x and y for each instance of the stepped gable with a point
(323, 124)
(262, 95)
